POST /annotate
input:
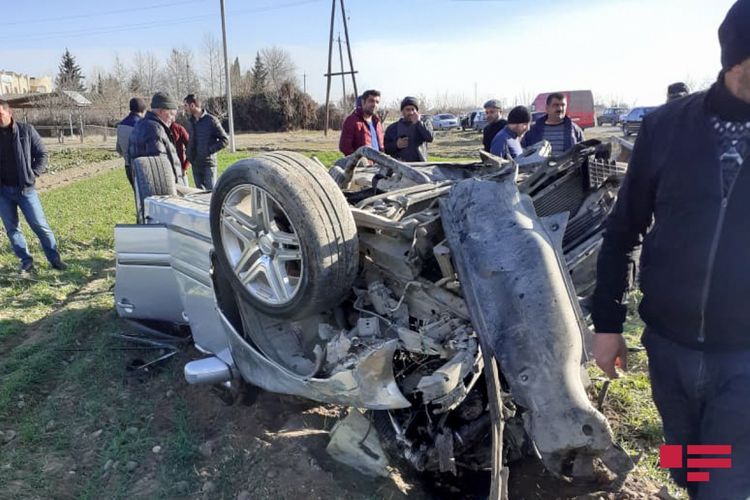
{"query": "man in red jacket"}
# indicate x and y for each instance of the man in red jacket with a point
(181, 139)
(362, 127)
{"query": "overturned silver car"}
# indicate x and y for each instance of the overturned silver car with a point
(443, 298)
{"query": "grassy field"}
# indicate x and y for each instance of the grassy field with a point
(65, 158)
(75, 423)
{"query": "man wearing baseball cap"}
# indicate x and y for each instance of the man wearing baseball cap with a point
(407, 139)
(686, 198)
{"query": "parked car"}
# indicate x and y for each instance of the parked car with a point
(395, 288)
(580, 106)
(445, 121)
(612, 116)
(632, 121)
(480, 121)
(467, 122)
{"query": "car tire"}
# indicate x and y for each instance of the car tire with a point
(152, 176)
(284, 233)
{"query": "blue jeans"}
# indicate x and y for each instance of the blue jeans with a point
(13, 198)
(704, 398)
(204, 177)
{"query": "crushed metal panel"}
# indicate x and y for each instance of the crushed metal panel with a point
(521, 302)
(355, 442)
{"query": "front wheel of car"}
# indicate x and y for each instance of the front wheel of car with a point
(284, 232)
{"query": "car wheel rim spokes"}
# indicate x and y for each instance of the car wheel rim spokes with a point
(261, 245)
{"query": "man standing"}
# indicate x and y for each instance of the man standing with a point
(181, 140)
(152, 136)
(689, 175)
(555, 127)
(507, 142)
(207, 137)
(23, 157)
(362, 127)
(407, 139)
(492, 111)
(125, 128)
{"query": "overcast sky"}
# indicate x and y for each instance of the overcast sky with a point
(627, 50)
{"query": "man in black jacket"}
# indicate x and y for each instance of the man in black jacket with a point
(207, 137)
(686, 196)
(151, 136)
(407, 139)
(492, 111)
(23, 157)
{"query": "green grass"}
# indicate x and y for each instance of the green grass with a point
(73, 157)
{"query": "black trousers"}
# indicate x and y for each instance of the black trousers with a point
(704, 398)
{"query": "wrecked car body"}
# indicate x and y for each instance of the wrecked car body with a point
(395, 288)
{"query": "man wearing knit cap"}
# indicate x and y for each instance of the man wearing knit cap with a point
(677, 90)
(507, 142)
(492, 111)
(407, 139)
(125, 128)
(690, 174)
(151, 136)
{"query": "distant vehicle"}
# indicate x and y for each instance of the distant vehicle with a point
(613, 116)
(467, 122)
(580, 106)
(480, 121)
(445, 121)
(632, 121)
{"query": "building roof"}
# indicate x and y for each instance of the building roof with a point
(69, 97)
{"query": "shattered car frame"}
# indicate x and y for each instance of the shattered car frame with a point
(441, 297)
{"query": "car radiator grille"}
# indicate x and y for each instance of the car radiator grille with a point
(581, 227)
(565, 197)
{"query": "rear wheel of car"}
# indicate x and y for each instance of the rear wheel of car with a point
(152, 176)
(284, 231)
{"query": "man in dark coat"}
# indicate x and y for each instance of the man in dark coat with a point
(407, 139)
(125, 128)
(23, 157)
(492, 111)
(685, 197)
(555, 127)
(152, 136)
(207, 137)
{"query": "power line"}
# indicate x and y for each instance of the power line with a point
(152, 24)
(99, 14)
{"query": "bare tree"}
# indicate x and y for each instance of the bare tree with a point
(280, 66)
(524, 98)
(213, 66)
(180, 77)
(450, 103)
(118, 78)
(145, 79)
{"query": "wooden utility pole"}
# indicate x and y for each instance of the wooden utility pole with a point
(349, 48)
(330, 74)
(341, 61)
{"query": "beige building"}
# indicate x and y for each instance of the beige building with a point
(12, 83)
